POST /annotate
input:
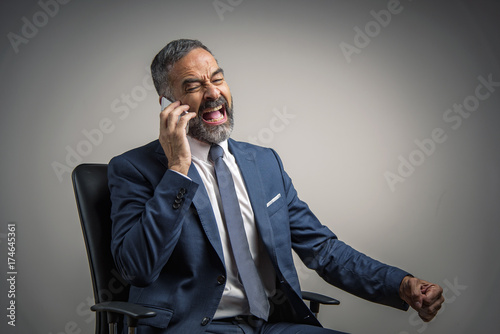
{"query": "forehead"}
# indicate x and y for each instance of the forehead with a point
(198, 63)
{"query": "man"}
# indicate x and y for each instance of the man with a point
(174, 225)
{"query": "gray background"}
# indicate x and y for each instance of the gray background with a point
(348, 124)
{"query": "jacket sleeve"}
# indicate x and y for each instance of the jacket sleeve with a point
(336, 262)
(147, 216)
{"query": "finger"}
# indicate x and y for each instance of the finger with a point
(170, 107)
(433, 292)
(164, 102)
(185, 118)
(166, 112)
(173, 116)
(433, 297)
(428, 313)
(431, 307)
(425, 317)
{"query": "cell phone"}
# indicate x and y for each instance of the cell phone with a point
(165, 103)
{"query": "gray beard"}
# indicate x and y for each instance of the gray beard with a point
(212, 134)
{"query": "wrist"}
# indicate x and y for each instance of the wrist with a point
(181, 169)
(403, 285)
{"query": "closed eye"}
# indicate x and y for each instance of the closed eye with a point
(192, 88)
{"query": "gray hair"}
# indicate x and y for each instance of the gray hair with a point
(165, 60)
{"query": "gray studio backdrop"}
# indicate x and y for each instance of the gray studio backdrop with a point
(385, 114)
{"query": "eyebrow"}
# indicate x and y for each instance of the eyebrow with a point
(194, 80)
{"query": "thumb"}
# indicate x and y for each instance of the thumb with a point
(417, 301)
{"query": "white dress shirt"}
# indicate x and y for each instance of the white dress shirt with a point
(233, 302)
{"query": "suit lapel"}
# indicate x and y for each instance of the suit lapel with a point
(205, 212)
(253, 182)
(202, 205)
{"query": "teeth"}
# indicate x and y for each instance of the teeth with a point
(212, 109)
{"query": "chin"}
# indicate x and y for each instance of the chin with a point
(212, 134)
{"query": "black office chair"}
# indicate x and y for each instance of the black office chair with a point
(90, 183)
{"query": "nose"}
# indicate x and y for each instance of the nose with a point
(212, 92)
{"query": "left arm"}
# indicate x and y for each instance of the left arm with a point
(336, 262)
(353, 271)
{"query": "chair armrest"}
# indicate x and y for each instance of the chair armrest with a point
(133, 311)
(315, 299)
(319, 298)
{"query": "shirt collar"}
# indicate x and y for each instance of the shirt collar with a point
(199, 149)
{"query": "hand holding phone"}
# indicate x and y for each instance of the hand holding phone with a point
(165, 103)
(172, 138)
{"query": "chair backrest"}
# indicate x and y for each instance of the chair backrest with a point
(90, 183)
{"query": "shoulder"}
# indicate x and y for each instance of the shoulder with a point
(141, 153)
(264, 156)
(147, 161)
(250, 148)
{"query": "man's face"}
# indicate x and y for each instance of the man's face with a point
(198, 81)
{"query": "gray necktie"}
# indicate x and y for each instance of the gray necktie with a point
(257, 299)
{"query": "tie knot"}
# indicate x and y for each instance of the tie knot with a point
(215, 152)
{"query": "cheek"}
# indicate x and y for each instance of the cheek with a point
(194, 104)
(194, 107)
(227, 94)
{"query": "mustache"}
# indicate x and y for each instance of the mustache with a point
(212, 104)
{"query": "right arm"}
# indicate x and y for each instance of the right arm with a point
(148, 214)
(147, 222)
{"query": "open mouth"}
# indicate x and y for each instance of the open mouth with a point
(215, 116)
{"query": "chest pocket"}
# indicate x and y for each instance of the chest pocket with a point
(275, 204)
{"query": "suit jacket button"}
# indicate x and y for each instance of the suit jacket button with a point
(176, 206)
(221, 279)
(205, 321)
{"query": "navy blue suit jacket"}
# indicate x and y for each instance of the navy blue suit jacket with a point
(165, 241)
